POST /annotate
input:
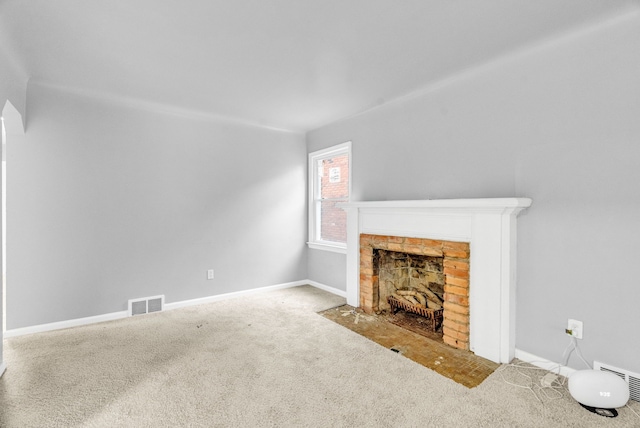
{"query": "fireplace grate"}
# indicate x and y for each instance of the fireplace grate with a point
(433, 315)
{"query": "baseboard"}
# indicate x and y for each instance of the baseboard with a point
(41, 328)
(543, 363)
(327, 288)
(3, 367)
(226, 296)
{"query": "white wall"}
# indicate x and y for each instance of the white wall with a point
(558, 123)
(109, 202)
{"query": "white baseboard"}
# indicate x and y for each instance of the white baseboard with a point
(41, 328)
(544, 363)
(226, 296)
(331, 290)
(3, 367)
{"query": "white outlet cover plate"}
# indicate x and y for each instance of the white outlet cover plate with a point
(576, 328)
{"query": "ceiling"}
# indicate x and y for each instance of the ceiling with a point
(286, 64)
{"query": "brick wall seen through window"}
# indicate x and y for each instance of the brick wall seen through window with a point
(334, 188)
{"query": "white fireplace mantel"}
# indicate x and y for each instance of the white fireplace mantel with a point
(488, 224)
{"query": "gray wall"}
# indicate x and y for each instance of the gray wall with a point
(108, 202)
(13, 82)
(328, 268)
(558, 123)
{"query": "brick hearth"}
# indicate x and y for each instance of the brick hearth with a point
(456, 270)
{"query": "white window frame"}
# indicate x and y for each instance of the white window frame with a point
(314, 208)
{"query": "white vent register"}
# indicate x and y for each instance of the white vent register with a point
(633, 379)
(146, 305)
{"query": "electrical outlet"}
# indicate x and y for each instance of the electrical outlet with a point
(210, 274)
(574, 328)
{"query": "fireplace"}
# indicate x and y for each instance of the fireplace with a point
(436, 272)
(482, 229)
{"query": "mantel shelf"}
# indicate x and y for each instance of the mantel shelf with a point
(466, 204)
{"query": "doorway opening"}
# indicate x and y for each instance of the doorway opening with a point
(12, 130)
(4, 228)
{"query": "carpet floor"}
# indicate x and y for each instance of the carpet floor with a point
(265, 360)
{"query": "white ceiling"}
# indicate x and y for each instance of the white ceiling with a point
(288, 64)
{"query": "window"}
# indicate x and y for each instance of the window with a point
(329, 184)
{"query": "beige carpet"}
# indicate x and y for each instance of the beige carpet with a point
(267, 360)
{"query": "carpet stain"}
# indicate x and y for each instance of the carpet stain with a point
(423, 347)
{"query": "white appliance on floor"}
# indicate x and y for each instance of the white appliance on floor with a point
(599, 391)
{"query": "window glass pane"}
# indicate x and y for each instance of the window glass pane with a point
(334, 177)
(333, 224)
(329, 181)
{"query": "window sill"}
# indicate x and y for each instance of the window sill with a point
(336, 248)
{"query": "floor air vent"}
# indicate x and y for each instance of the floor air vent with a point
(146, 305)
(633, 379)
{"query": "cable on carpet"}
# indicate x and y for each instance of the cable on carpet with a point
(550, 392)
(540, 392)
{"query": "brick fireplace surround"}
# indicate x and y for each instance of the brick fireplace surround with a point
(455, 326)
(487, 227)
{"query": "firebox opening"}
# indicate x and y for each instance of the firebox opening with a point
(396, 272)
(416, 279)
(410, 290)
